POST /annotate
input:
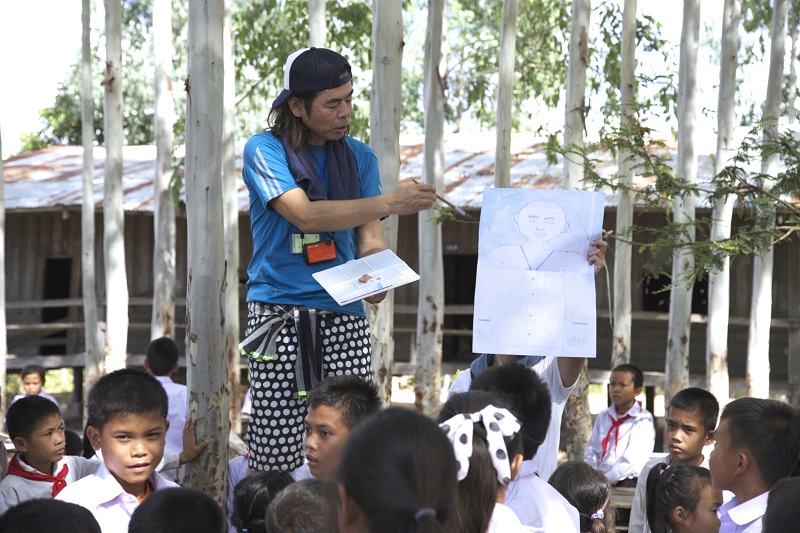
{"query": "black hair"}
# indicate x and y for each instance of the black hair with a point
(73, 445)
(588, 490)
(783, 513)
(125, 391)
(397, 464)
(699, 402)
(42, 514)
(477, 493)
(162, 355)
(354, 398)
(33, 369)
(25, 415)
(251, 497)
(526, 396)
(178, 509)
(638, 375)
(669, 487)
(769, 430)
(308, 506)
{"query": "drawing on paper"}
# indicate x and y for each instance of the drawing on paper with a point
(535, 289)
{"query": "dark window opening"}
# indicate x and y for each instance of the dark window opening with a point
(655, 298)
(460, 272)
(57, 275)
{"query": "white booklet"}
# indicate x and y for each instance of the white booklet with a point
(366, 276)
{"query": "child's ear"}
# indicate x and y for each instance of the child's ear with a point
(516, 464)
(679, 515)
(637, 391)
(94, 437)
(20, 444)
(710, 438)
(743, 464)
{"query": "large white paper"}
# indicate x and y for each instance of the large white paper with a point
(366, 276)
(535, 292)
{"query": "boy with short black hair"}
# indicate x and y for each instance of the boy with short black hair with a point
(33, 378)
(535, 503)
(178, 510)
(128, 414)
(39, 469)
(161, 361)
(308, 506)
(624, 434)
(690, 422)
(758, 444)
(336, 405)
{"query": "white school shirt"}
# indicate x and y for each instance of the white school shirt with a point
(176, 413)
(735, 517)
(111, 506)
(15, 489)
(237, 470)
(635, 442)
(538, 505)
(546, 459)
(505, 521)
(638, 522)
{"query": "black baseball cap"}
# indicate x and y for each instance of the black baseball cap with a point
(311, 70)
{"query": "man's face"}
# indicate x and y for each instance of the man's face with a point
(324, 440)
(45, 444)
(32, 384)
(132, 446)
(685, 436)
(541, 221)
(329, 118)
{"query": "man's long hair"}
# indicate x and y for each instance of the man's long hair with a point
(281, 121)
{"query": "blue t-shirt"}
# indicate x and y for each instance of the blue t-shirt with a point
(276, 275)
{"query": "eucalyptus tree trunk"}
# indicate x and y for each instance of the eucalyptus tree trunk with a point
(205, 292)
(93, 362)
(384, 126)
(163, 317)
(505, 92)
(761, 305)
(794, 21)
(430, 315)
(717, 380)
(3, 340)
(680, 302)
(575, 110)
(578, 420)
(317, 30)
(230, 212)
(621, 348)
(113, 215)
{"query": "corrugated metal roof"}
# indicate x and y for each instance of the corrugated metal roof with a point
(53, 177)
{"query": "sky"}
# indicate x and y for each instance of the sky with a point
(40, 39)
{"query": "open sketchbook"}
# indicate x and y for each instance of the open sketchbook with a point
(366, 276)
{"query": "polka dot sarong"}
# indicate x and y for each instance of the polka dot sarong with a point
(275, 432)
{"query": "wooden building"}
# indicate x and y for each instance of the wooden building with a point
(43, 241)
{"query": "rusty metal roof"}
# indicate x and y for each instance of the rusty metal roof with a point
(52, 177)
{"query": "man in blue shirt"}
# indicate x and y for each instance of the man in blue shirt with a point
(315, 202)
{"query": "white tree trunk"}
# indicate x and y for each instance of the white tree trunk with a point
(680, 303)
(621, 348)
(505, 92)
(113, 215)
(163, 317)
(761, 305)
(793, 67)
(430, 314)
(205, 292)
(717, 380)
(3, 339)
(576, 89)
(317, 29)
(231, 220)
(94, 354)
(578, 424)
(385, 110)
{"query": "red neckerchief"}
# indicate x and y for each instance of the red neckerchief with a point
(615, 424)
(58, 481)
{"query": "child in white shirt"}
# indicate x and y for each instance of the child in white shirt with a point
(624, 434)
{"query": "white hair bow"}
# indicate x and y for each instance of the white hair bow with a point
(499, 423)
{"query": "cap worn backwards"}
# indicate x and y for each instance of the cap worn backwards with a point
(311, 70)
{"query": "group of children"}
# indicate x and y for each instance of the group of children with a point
(370, 469)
